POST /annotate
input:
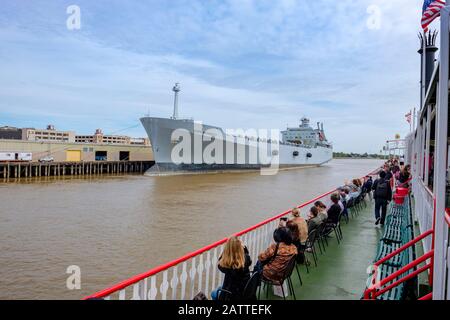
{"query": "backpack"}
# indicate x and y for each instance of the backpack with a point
(382, 188)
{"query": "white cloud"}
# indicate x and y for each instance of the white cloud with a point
(240, 64)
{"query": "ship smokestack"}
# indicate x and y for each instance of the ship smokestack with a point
(429, 40)
(176, 89)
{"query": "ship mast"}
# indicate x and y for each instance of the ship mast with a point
(175, 89)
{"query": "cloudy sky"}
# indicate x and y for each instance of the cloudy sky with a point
(241, 64)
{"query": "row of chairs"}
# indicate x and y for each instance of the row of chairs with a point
(398, 231)
(318, 236)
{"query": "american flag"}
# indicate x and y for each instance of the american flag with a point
(431, 10)
(408, 117)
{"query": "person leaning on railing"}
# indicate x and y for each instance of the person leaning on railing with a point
(404, 177)
(234, 262)
(274, 260)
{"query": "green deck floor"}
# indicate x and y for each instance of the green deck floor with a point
(341, 271)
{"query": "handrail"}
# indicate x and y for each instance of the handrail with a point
(401, 184)
(371, 292)
(428, 296)
(406, 278)
(427, 189)
(404, 247)
(447, 216)
(156, 270)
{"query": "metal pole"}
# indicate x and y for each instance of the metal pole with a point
(440, 173)
(175, 89)
(427, 145)
(424, 62)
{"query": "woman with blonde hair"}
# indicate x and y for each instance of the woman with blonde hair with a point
(234, 262)
(302, 225)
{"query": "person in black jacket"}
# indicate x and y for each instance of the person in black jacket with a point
(367, 187)
(382, 195)
(235, 263)
(335, 209)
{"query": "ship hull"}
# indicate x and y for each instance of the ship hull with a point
(160, 132)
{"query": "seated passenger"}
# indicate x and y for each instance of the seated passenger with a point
(322, 210)
(347, 194)
(302, 225)
(234, 262)
(293, 227)
(334, 210)
(314, 220)
(274, 260)
(354, 193)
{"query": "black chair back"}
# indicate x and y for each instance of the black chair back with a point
(224, 295)
(312, 236)
(252, 286)
(320, 230)
(290, 267)
(350, 203)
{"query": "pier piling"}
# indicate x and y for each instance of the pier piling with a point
(18, 170)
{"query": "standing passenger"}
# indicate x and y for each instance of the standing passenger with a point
(382, 195)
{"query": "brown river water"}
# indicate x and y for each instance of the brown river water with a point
(115, 227)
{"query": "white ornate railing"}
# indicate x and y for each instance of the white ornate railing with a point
(184, 277)
(423, 209)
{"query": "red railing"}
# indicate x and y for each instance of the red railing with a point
(447, 216)
(131, 281)
(376, 289)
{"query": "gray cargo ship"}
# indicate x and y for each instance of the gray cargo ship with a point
(184, 145)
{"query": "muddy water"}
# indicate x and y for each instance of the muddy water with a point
(116, 227)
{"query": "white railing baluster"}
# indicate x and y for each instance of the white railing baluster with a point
(122, 294)
(183, 279)
(144, 289)
(192, 274)
(153, 291)
(207, 272)
(174, 283)
(136, 295)
(214, 268)
(164, 285)
(200, 269)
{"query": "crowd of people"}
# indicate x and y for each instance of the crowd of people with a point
(290, 239)
(394, 172)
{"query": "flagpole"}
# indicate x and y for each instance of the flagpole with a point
(410, 121)
(424, 61)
